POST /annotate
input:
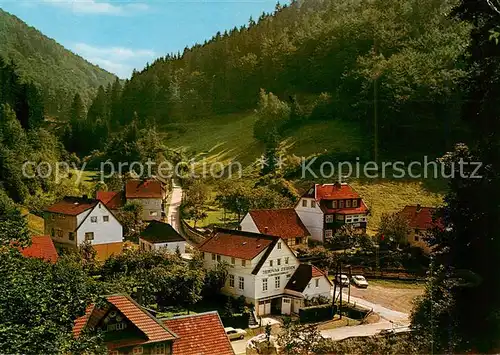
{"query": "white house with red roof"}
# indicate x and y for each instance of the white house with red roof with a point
(75, 220)
(420, 219)
(324, 208)
(260, 269)
(150, 194)
(284, 223)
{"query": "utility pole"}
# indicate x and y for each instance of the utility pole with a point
(349, 290)
(340, 278)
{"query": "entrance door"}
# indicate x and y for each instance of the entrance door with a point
(286, 305)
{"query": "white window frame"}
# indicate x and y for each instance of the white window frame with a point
(304, 203)
(354, 203)
(105, 218)
(241, 282)
(279, 245)
(317, 283)
(233, 260)
(286, 259)
(213, 257)
(334, 204)
(329, 218)
(264, 285)
(277, 282)
(231, 281)
(348, 203)
(138, 350)
(89, 236)
(270, 263)
(93, 219)
(278, 261)
(328, 233)
(313, 204)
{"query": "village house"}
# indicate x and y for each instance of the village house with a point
(421, 222)
(42, 247)
(323, 209)
(114, 200)
(75, 220)
(260, 269)
(201, 333)
(150, 194)
(127, 327)
(284, 223)
(161, 236)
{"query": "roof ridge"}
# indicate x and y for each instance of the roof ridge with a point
(243, 233)
(190, 315)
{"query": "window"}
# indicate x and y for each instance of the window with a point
(348, 203)
(340, 217)
(105, 218)
(354, 203)
(317, 282)
(341, 204)
(233, 261)
(264, 284)
(114, 352)
(313, 204)
(298, 240)
(288, 276)
(334, 204)
(328, 233)
(93, 219)
(278, 261)
(304, 203)
(241, 283)
(153, 213)
(137, 350)
(89, 236)
(218, 258)
(329, 218)
(277, 282)
(159, 350)
(231, 280)
(270, 263)
(348, 219)
(279, 245)
(309, 285)
(286, 259)
(71, 236)
(60, 233)
(243, 262)
(213, 256)
(203, 255)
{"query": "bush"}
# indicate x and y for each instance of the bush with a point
(240, 321)
(316, 313)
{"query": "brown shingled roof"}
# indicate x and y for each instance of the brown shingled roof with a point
(331, 192)
(238, 244)
(200, 334)
(284, 223)
(143, 189)
(72, 206)
(112, 199)
(301, 277)
(420, 217)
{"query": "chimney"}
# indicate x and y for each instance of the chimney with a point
(419, 208)
(265, 230)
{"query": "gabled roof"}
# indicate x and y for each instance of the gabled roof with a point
(284, 223)
(152, 328)
(42, 247)
(159, 232)
(237, 244)
(200, 334)
(331, 192)
(112, 199)
(301, 277)
(362, 208)
(143, 189)
(72, 206)
(419, 217)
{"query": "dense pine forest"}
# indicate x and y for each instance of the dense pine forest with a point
(400, 63)
(56, 71)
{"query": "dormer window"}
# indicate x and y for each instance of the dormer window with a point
(348, 203)
(334, 204)
(354, 203)
(341, 204)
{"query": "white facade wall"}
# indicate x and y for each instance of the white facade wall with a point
(104, 232)
(312, 217)
(324, 288)
(248, 225)
(151, 208)
(171, 246)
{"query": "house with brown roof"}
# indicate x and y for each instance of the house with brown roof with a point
(284, 223)
(325, 208)
(150, 194)
(421, 222)
(260, 268)
(161, 236)
(201, 333)
(114, 200)
(127, 327)
(42, 247)
(75, 220)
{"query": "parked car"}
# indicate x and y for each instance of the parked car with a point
(342, 279)
(360, 281)
(233, 333)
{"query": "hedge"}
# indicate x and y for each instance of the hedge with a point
(240, 321)
(316, 313)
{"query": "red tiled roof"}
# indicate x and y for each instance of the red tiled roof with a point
(200, 334)
(143, 189)
(72, 206)
(238, 244)
(331, 192)
(316, 272)
(152, 328)
(284, 223)
(362, 208)
(419, 217)
(302, 275)
(112, 199)
(42, 247)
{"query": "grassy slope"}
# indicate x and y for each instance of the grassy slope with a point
(220, 140)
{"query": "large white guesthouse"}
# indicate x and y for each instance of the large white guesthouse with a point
(264, 270)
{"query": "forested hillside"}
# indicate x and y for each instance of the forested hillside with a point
(398, 62)
(55, 70)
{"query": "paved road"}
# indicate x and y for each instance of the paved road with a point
(173, 208)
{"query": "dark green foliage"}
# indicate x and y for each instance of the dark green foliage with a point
(56, 72)
(316, 313)
(13, 225)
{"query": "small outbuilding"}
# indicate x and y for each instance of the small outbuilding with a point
(159, 235)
